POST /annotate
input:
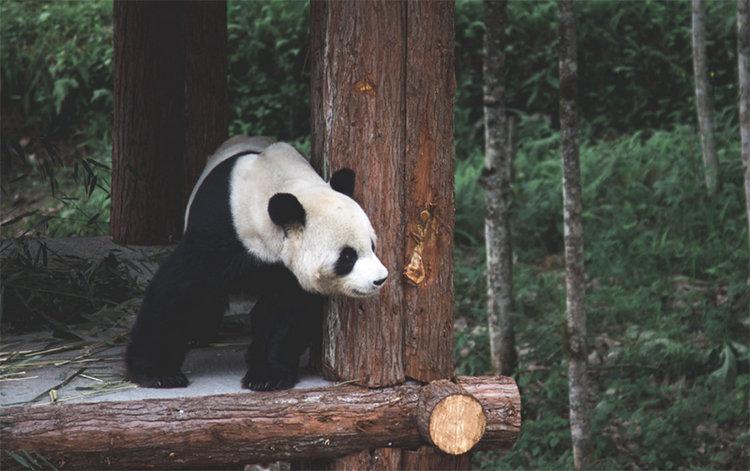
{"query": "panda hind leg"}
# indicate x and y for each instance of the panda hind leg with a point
(282, 327)
(174, 312)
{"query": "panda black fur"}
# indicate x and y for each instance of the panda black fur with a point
(259, 222)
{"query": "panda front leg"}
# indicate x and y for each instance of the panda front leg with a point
(283, 325)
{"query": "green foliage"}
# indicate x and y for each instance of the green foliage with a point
(56, 64)
(28, 461)
(269, 69)
(469, 199)
(634, 62)
(42, 289)
(79, 199)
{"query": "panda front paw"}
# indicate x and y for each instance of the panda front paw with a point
(269, 379)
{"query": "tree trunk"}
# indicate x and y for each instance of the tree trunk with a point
(496, 180)
(147, 138)
(386, 111)
(357, 106)
(383, 459)
(575, 319)
(703, 96)
(429, 458)
(170, 112)
(382, 88)
(429, 189)
(206, 102)
(231, 430)
(743, 65)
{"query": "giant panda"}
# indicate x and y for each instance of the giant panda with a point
(260, 222)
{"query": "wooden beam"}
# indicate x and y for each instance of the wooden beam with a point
(234, 430)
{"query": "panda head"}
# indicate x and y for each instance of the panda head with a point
(329, 243)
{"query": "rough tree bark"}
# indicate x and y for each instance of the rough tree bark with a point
(743, 65)
(496, 182)
(575, 319)
(382, 88)
(170, 112)
(227, 430)
(386, 112)
(357, 106)
(429, 188)
(703, 96)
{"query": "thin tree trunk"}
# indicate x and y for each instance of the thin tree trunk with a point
(496, 179)
(743, 63)
(703, 96)
(575, 319)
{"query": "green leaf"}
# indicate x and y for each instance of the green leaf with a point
(20, 459)
(726, 375)
(20, 217)
(62, 88)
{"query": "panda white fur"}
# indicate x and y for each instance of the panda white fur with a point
(261, 222)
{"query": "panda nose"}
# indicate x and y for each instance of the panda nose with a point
(380, 281)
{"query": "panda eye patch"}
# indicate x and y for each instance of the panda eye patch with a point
(345, 263)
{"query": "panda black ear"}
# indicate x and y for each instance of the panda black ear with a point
(343, 181)
(285, 209)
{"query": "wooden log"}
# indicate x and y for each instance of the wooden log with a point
(428, 457)
(148, 129)
(206, 112)
(233, 430)
(357, 119)
(427, 260)
(449, 417)
(503, 416)
(170, 112)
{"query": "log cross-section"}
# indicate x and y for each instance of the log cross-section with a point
(449, 417)
(232, 430)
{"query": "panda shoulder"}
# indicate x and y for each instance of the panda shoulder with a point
(287, 161)
(238, 144)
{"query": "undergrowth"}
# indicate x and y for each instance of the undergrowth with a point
(42, 289)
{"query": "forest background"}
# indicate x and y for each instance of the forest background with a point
(667, 265)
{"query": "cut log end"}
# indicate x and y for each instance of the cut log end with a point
(457, 424)
(450, 418)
